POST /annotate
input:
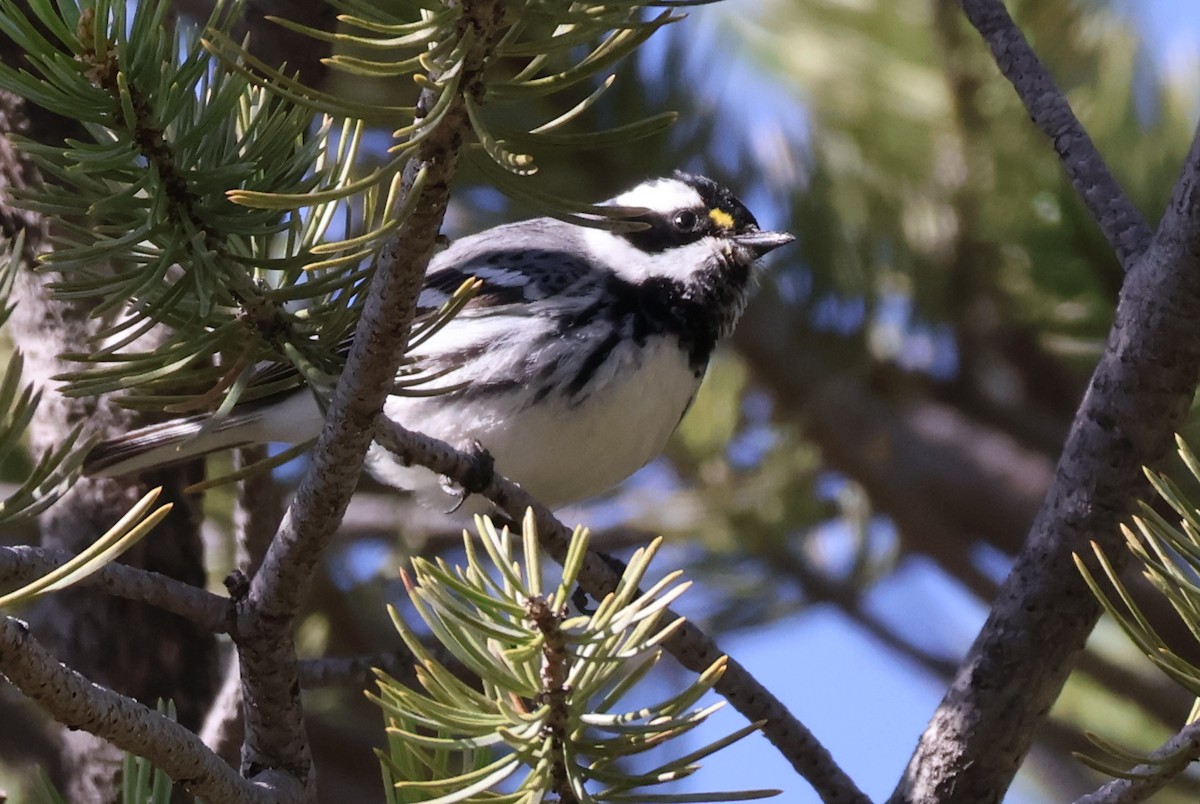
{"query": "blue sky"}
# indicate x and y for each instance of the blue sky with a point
(1172, 26)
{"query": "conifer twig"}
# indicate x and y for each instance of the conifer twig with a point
(21, 564)
(1111, 209)
(1177, 754)
(690, 646)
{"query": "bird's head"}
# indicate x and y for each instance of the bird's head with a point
(690, 224)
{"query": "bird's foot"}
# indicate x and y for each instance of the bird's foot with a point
(581, 598)
(480, 472)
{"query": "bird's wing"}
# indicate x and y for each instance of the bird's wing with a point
(513, 277)
(514, 273)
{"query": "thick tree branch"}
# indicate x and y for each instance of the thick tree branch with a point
(1137, 398)
(79, 704)
(255, 518)
(690, 646)
(270, 685)
(1116, 216)
(266, 614)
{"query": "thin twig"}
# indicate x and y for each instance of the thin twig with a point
(1173, 758)
(256, 512)
(359, 671)
(1112, 211)
(211, 612)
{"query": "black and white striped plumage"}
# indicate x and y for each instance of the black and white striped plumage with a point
(580, 353)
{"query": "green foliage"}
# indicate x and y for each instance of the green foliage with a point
(1169, 556)
(44, 791)
(55, 471)
(141, 782)
(206, 199)
(542, 50)
(203, 202)
(926, 180)
(551, 684)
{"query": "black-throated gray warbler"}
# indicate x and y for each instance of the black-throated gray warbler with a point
(577, 358)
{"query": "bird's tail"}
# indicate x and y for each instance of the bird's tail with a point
(165, 444)
(289, 418)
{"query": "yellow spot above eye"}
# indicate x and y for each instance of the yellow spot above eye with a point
(721, 218)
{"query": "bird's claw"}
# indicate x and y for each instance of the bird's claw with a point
(478, 476)
(481, 472)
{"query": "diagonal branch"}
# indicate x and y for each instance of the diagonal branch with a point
(1112, 211)
(1137, 398)
(690, 646)
(266, 614)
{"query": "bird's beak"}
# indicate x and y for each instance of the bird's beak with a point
(762, 242)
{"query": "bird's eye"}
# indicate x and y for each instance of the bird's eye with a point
(685, 221)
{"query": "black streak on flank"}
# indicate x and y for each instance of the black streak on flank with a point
(656, 306)
(593, 362)
(696, 315)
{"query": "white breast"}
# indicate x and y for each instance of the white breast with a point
(558, 450)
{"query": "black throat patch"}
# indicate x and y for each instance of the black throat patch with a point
(697, 315)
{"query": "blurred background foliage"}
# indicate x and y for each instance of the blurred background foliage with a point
(899, 388)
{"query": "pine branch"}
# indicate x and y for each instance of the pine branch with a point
(1173, 758)
(47, 327)
(359, 671)
(275, 735)
(1136, 400)
(690, 646)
